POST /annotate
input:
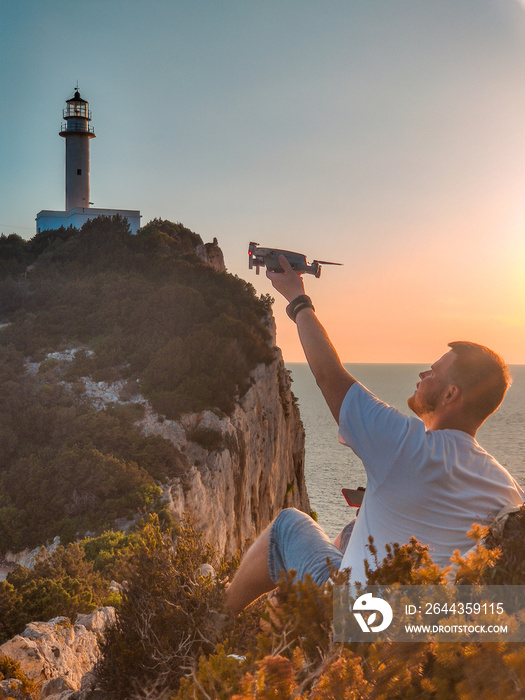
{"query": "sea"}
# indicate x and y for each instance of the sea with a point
(330, 466)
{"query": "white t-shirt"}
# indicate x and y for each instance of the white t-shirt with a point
(432, 485)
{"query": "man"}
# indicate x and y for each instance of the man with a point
(426, 477)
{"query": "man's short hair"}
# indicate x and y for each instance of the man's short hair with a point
(482, 375)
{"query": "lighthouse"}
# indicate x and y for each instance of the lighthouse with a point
(77, 132)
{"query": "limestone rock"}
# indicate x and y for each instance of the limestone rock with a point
(256, 467)
(59, 650)
(98, 620)
(212, 255)
(11, 689)
(27, 556)
(54, 688)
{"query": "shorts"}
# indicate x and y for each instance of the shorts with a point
(297, 542)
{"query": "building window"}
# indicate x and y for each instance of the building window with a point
(79, 171)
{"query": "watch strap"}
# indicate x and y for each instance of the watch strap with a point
(298, 304)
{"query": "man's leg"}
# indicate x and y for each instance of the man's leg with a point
(252, 578)
(292, 541)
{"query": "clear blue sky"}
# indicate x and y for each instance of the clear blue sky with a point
(386, 134)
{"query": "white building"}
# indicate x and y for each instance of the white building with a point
(77, 132)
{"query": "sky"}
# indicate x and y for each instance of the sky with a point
(388, 135)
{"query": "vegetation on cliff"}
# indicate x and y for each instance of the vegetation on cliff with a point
(143, 311)
(169, 622)
(172, 640)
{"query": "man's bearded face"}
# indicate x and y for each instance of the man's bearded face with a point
(433, 383)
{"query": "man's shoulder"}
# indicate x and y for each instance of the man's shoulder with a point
(371, 427)
(459, 442)
(358, 393)
(360, 400)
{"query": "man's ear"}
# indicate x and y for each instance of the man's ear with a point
(452, 394)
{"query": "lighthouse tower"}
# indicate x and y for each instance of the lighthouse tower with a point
(77, 132)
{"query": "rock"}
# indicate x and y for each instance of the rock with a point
(55, 687)
(11, 689)
(27, 556)
(37, 630)
(89, 682)
(115, 587)
(212, 255)
(207, 570)
(233, 491)
(97, 621)
(57, 649)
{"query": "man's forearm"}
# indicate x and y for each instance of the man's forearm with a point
(330, 375)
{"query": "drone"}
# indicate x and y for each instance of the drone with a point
(269, 258)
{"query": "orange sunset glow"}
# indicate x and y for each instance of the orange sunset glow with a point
(405, 305)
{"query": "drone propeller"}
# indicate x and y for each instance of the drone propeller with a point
(325, 262)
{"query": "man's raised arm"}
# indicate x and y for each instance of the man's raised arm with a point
(330, 375)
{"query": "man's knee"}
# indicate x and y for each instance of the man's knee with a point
(297, 542)
(289, 522)
(293, 515)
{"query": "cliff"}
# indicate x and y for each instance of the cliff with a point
(241, 469)
(255, 467)
(152, 333)
(137, 377)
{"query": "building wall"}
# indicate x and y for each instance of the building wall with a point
(77, 171)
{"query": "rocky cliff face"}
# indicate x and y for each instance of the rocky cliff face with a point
(244, 469)
(57, 656)
(211, 254)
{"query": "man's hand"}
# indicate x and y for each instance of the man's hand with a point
(287, 283)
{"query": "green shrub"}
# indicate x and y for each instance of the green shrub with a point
(71, 579)
(208, 438)
(169, 615)
(61, 583)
